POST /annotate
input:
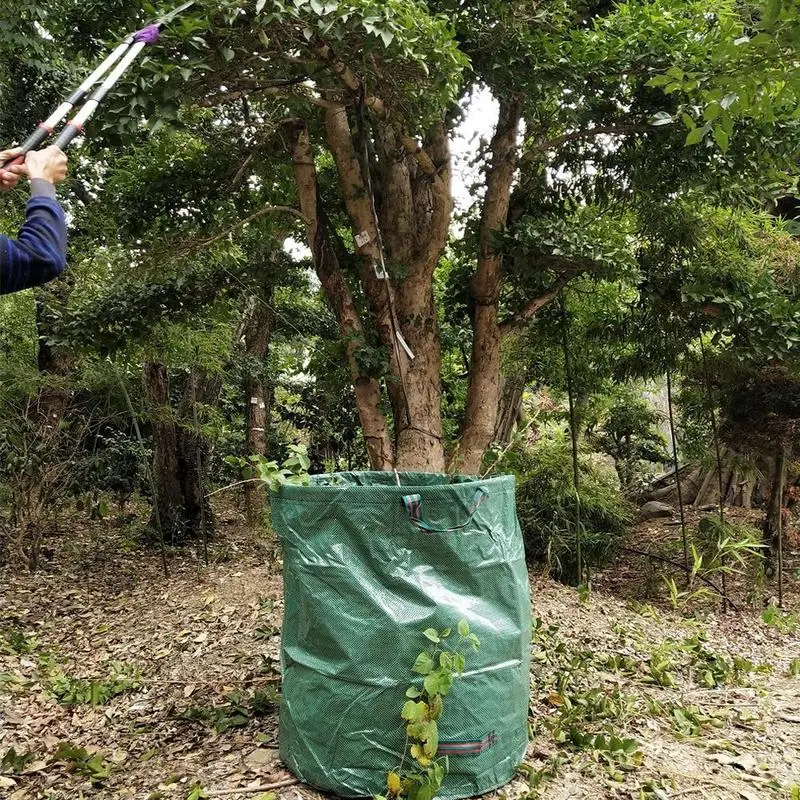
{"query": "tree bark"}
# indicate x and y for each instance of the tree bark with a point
(327, 266)
(747, 492)
(415, 210)
(771, 526)
(167, 513)
(510, 413)
(55, 362)
(484, 380)
(195, 510)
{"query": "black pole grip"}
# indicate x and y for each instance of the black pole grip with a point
(67, 135)
(31, 143)
(38, 137)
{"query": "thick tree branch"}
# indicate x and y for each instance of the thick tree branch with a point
(326, 53)
(532, 307)
(586, 133)
(484, 380)
(247, 220)
(358, 201)
(334, 284)
(306, 92)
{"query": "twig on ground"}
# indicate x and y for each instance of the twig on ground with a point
(267, 787)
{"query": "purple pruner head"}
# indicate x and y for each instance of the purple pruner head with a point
(148, 35)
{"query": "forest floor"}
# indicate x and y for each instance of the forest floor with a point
(117, 682)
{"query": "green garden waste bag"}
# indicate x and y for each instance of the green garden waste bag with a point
(370, 565)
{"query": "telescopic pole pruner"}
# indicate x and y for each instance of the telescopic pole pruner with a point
(107, 74)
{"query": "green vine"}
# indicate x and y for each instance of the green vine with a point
(439, 665)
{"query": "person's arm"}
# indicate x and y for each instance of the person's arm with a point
(39, 253)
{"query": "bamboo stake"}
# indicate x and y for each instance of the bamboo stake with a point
(715, 432)
(574, 437)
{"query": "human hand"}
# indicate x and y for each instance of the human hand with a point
(10, 175)
(49, 164)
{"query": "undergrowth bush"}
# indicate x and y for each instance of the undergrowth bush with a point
(546, 503)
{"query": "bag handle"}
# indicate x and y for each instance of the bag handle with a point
(412, 503)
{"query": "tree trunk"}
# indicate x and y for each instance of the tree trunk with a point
(510, 413)
(484, 378)
(57, 363)
(327, 266)
(258, 395)
(747, 491)
(771, 525)
(415, 210)
(709, 489)
(167, 514)
(196, 511)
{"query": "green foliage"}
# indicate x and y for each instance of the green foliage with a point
(419, 45)
(439, 665)
(77, 759)
(546, 504)
(71, 691)
(690, 721)
(14, 640)
(14, 763)
(116, 465)
(294, 470)
(239, 711)
(780, 620)
(196, 792)
(619, 755)
(628, 433)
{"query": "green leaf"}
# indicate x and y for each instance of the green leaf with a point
(431, 739)
(438, 682)
(712, 111)
(413, 692)
(260, 6)
(436, 775)
(413, 711)
(422, 792)
(463, 628)
(423, 665)
(417, 730)
(436, 707)
(432, 634)
(721, 138)
(696, 135)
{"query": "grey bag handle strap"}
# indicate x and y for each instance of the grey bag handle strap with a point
(412, 503)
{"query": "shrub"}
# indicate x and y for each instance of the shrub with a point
(546, 503)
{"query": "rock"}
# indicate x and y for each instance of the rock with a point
(655, 510)
(709, 507)
(260, 758)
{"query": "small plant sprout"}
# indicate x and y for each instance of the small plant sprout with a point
(438, 666)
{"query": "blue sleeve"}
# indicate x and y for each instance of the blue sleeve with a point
(39, 253)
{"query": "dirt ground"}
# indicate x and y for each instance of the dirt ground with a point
(117, 682)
